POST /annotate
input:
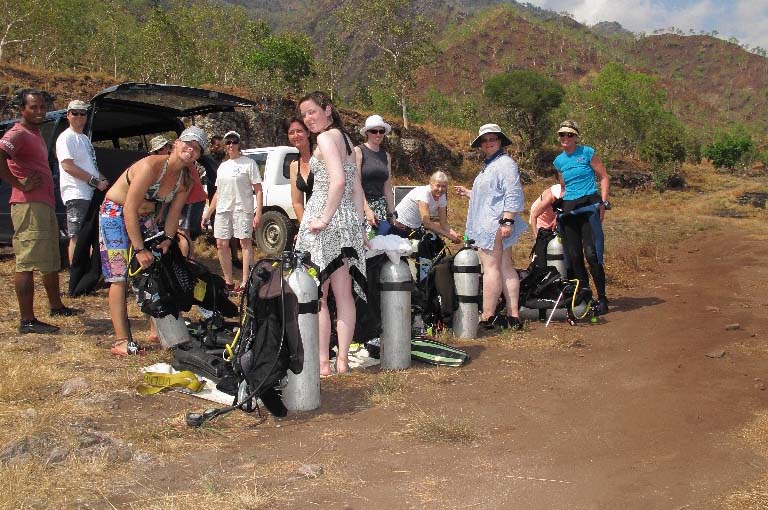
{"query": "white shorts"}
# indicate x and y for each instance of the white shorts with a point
(229, 224)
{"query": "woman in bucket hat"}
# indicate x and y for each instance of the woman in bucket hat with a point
(374, 166)
(493, 222)
(583, 209)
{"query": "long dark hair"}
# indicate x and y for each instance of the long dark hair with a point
(322, 100)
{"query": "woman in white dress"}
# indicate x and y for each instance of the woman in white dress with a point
(332, 230)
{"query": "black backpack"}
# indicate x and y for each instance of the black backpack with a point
(269, 341)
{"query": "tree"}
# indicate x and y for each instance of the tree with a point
(13, 14)
(730, 149)
(329, 62)
(398, 36)
(527, 98)
(289, 55)
(619, 107)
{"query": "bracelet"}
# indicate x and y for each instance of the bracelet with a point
(169, 238)
(139, 250)
(506, 221)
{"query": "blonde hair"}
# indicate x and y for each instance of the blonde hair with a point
(439, 176)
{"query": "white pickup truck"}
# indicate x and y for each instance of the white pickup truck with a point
(278, 219)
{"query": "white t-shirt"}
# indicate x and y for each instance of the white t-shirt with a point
(408, 209)
(77, 147)
(234, 184)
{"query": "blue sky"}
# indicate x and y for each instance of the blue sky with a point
(747, 20)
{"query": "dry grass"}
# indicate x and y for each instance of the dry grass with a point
(639, 232)
(441, 429)
(389, 388)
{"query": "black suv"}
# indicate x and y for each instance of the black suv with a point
(121, 120)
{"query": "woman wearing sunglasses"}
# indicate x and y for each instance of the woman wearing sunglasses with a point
(494, 222)
(237, 181)
(583, 209)
(374, 165)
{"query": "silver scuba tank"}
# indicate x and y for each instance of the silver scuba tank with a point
(302, 391)
(466, 279)
(396, 286)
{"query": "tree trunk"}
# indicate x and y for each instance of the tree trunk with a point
(405, 109)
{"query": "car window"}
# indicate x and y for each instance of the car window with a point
(289, 158)
(261, 160)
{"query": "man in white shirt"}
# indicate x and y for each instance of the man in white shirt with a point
(78, 175)
(422, 204)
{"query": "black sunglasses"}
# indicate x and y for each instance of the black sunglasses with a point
(377, 131)
(78, 114)
(232, 142)
(569, 135)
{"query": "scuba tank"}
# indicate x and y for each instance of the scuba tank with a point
(302, 391)
(466, 278)
(556, 255)
(396, 287)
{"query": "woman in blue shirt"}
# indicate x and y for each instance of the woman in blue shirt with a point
(492, 221)
(583, 209)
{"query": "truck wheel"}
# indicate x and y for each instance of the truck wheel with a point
(275, 234)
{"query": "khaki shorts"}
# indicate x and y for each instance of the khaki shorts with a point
(229, 224)
(35, 238)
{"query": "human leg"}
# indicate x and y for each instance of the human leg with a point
(118, 310)
(510, 283)
(246, 245)
(593, 246)
(324, 331)
(52, 289)
(346, 314)
(24, 284)
(222, 247)
(574, 249)
(491, 261)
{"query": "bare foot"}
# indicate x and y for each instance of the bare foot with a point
(325, 369)
(342, 365)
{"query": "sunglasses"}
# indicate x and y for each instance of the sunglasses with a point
(77, 114)
(377, 131)
(569, 135)
(232, 142)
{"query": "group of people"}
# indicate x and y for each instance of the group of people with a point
(341, 194)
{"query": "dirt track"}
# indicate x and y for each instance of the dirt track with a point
(630, 413)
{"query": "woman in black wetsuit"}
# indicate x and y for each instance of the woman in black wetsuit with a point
(302, 179)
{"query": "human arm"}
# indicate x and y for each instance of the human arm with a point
(209, 211)
(605, 182)
(508, 182)
(389, 195)
(462, 191)
(25, 183)
(539, 207)
(257, 191)
(142, 176)
(439, 227)
(297, 196)
(69, 166)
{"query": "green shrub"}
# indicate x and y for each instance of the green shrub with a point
(730, 149)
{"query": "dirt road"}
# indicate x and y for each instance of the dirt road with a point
(644, 410)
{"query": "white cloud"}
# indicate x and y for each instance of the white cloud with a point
(747, 20)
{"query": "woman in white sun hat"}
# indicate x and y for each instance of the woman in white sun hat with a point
(374, 165)
(493, 222)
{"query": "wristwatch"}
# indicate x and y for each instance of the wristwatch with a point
(94, 182)
(506, 221)
(606, 204)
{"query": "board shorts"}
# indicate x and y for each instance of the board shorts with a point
(114, 241)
